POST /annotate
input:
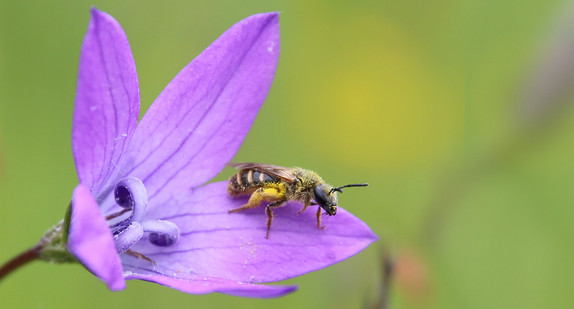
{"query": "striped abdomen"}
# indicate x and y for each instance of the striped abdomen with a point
(246, 181)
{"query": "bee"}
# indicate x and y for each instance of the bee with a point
(277, 185)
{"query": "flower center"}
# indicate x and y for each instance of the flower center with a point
(128, 225)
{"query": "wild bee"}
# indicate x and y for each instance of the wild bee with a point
(277, 185)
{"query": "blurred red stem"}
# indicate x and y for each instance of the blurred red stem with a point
(20, 260)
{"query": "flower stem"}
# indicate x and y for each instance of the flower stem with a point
(20, 260)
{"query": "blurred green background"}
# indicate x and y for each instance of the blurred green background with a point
(447, 108)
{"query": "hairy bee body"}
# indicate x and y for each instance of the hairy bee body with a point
(277, 185)
(247, 181)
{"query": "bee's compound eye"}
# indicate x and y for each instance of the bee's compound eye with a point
(320, 197)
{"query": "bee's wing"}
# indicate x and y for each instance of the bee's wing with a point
(285, 173)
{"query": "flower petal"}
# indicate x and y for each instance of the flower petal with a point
(218, 244)
(199, 121)
(91, 241)
(202, 285)
(107, 100)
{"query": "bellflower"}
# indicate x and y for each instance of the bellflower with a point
(142, 209)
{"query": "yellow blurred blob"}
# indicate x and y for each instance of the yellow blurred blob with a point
(381, 103)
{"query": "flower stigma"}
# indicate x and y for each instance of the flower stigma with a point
(128, 225)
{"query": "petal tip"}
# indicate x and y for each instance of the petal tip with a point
(116, 285)
(97, 15)
(372, 236)
(270, 15)
(263, 20)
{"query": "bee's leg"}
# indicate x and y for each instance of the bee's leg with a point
(303, 209)
(319, 219)
(254, 200)
(269, 212)
(307, 203)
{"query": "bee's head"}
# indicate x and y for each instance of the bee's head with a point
(326, 196)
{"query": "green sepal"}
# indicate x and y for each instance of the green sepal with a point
(67, 219)
(53, 245)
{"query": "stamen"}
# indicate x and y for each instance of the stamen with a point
(139, 256)
(130, 192)
(162, 233)
(128, 237)
(117, 214)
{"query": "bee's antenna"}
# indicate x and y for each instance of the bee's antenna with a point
(340, 189)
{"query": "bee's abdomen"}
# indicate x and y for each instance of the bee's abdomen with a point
(246, 181)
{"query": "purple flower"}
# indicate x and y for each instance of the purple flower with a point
(142, 211)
